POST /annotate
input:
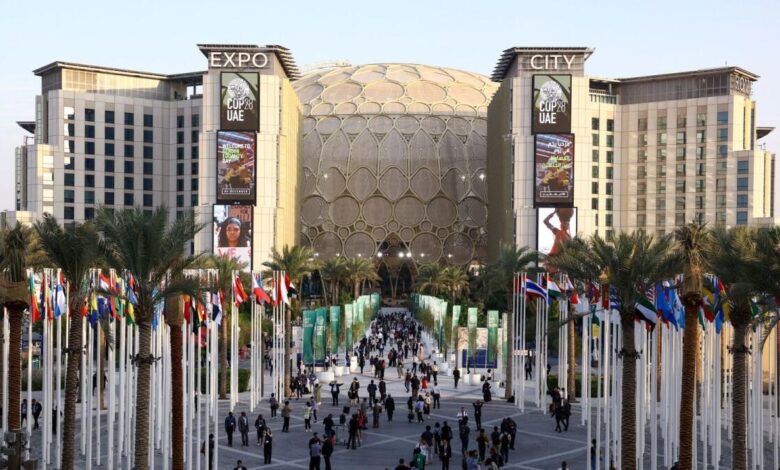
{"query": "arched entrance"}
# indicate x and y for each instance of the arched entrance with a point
(395, 267)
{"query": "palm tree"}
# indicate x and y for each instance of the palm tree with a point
(742, 258)
(297, 262)
(456, 281)
(358, 271)
(74, 249)
(225, 265)
(692, 245)
(431, 278)
(334, 271)
(152, 251)
(500, 275)
(627, 263)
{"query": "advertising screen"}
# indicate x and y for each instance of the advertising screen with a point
(553, 227)
(232, 226)
(554, 170)
(552, 104)
(236, 166)
(239, 102)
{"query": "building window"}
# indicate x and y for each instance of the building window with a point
(108, 133)
(68, 212)
(742, 201)
(660, 203)
(608, 220)
(609, 172)
(594, 203)
(721, 167)
(681, 120)
(661, 122)
(148, 168)
(129, 182)
(700, 153)
(148, 184)
(680, 138)
(129, 199)
(610, 125)
(89, 181)
(610, 140)
(69, 179)
(69, 113)
(660, 220)
(595, 140)
(594, 123)
(662, 138)
(89, 132)
(609, 189)
(109, 117)
(610, 156)
(680, 153)
(723, 118)
(70, 146)
(180, 138)
(194, 168)
(660, 187)
(180, 153)
(109, 150)
(641, 155)
(148, 200)
(89, 197)
(69, 196)
(594, 187)
(129, 135)
(89, 148)
(700, 169)
(701, 119)
(194, 152)
(723, 151)
(69, 129)
(108, 181)
(129, 167)
(723, 134)
(720, 201)
(641, 171)
(641, 124)
(180, 185)
(594, 172)
(609, 204)
(741, 217)
(194, 184)
(89, 114)
(179, 169)
(661, 155)
(679, 219)
(108, 198)
(660, 170)
(680, 170)
(641, 220)
(129, 151)
(699, 187)
(195, 120)
(129, 119)
(720, 184)
(148, 120)
(720, 217)
(701, 136)
(641, 188)
(742, 184)
(148, 152)
(179, 200)
(148, 136)
(679, 203)
(699, 202)
(70, 163)
(194, 199)
(679, 186)
(179, 121)
(642, 140)
(89, 164)
(194, 137)
(641, 204)
(595, 155)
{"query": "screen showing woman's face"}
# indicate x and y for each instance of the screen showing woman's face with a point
(232, 232)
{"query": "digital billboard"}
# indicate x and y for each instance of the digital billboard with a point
(236, 166)
(551, 104)
(232, 226)
(553, 227)
(239, 101)
(554, 170)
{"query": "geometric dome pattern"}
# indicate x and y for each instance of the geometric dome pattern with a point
(395, 150)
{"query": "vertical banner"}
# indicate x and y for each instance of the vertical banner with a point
(455, 320)
(348, 329)
(335, 313)
(492, 342)
(319, 334)
(232, 230)
(361, 309)
(442, 319)
(238, 110)
(554, 170)
(308, 332)
(472, 335)
(553, 227)
(504, 340)
(236, 152)
(552, 104)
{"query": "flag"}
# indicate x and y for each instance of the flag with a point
(553, 291)
(60, 302)
(216, 307)
(605, 297)
(569, 288)
(187, 309)
(662, 305)
(260, 295)
(280, 291)
(516, 284)
(105, 284)
(291, 290)
(238, 292)
(646, 310)
(593, 293)
(595, 326)
(36, 313)
(533, 289)
(677, 307)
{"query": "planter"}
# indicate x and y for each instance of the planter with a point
(475, 379)
(339, 371)
(353, 364)
(325, 377)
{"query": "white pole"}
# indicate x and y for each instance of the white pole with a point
(111, 389)
(59, 386)
(99, 378)
(29, 374)
(6, 330)
(90, 394)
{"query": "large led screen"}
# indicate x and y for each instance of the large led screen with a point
(552, 104)
(236, 166)
(239, 102)
(554, 170)
(554, 226)
(232, 226)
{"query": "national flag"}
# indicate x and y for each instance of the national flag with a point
(260, 295)
(516, 284)
(708, 304)
(571, 291)
(646, 310)
(105, 283)
(93, 309)
(677, 307)
(533, 289)
(60, 301)
(595, 326)
(280, 291)
(216, 307)
(238, 292)
(291, 290)
(605, 297)
(592, 293)
(187, 310)
(552, 289)
(662, 305)
(35, 311)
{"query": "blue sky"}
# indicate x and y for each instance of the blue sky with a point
(631, 38)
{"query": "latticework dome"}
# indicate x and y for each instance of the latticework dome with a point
(395, 151)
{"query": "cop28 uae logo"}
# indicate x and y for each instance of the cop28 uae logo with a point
(239, 101)
(552, 103)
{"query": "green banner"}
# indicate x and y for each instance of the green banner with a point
(472, 331)
(492, 325)
(335, 314)
(348, 329)
(308, 332)
(504, 339)
(319, 333)
(442, 319)
(361, 310)
(455, 320)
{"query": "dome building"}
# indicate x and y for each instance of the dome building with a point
(394, 162)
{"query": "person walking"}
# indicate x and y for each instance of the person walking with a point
(239, 466)
(419, 407)
(456, 376)
(482, 441)
(382, 390)
(211, 450)
(37, 408)
(230, 427)
(267, 446)
(371, 389)
(334, 393)
(389, 407)
(445, 454)
(435, 371)
(478, 413)
(464, 438)
(407, 381)
(436, 392)
(286, 412)
(243, 428)
(315, 452)
(307, 417)
(377, 410)
(327, 450)
(352, 429)
(273, 403)
(528, 370)
(260, 427)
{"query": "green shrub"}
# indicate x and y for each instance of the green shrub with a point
(552, 382)
(243, 380)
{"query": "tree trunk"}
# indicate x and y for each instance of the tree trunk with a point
(177, 405)
(223, 361)
(738, 397)
(510, 359)
(357, 289)
(287, 351)
(571, 383)
(15, 317)
(143, 363)
(74, 355)
(688, 385)
(628, 393)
